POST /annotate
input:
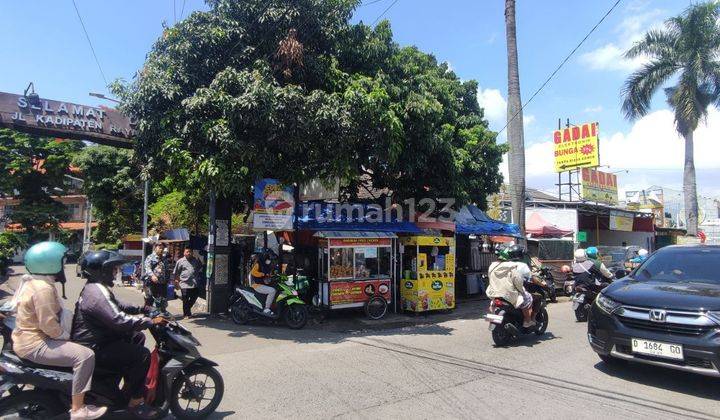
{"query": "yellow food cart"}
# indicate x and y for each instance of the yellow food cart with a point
(428, 273)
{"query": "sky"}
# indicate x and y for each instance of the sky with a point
(44, 43)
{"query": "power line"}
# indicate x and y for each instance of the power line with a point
(182, 10)
(102, 73)
(561, 65)
(384, 11)
(368, 3)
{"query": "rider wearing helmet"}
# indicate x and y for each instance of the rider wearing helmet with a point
(507, 278)
(642, 255)
(111, 328)
(586, 272)
(594, 255)
(42, 325)
(259, 275)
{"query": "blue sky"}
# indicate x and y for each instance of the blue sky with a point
(45, 44)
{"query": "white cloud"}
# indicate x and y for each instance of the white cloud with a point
(631, 29)
(593, 109)
(528, 119)
(495, 106)
(652, 147)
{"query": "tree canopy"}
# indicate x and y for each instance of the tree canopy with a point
(294, 91)
(35, 168)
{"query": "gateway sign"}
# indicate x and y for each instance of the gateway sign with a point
(67, 120)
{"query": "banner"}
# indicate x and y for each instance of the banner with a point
(599, 186)
(273, 206)
(344, 292)
(621, 221)
(577, 147)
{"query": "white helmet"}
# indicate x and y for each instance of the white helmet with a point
(643, 252)
(580, 255)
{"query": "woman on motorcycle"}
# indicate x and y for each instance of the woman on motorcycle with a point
(42, 329)
(260, 271)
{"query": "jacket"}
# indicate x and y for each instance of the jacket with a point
(100, 319)
(38, 315)
(507, 281)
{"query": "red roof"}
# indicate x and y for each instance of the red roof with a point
(538, 226)
(17, 227)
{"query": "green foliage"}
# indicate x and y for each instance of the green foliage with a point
(10, 243)
(36, 166)
(173, 210)
(113, 186)
(686, 52)
(294, 91)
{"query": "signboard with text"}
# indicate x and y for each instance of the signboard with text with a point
(66, 120)
(599, 186)
(274, 206)
(620, 220)
(576, 147)
(351, 292)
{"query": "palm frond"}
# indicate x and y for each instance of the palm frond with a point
(642, 85)
(656, 43)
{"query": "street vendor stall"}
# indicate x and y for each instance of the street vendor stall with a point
(356, 270)
(428, 273)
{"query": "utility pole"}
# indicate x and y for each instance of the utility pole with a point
(146, 193)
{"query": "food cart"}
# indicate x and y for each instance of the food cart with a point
(428, 273)
(355, 270)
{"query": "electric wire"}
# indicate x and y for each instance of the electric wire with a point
(385, 11)
(102, 73)
(552, 75)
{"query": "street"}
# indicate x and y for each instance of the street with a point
(444, 370)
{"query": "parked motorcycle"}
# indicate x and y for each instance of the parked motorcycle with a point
(246, 304)
(189, 386)
(506, 321)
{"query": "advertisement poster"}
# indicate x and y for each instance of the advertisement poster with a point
(577, 147)
(273, 206)
(428, 294)
(621, 221)
(599, 186)
(344, 292)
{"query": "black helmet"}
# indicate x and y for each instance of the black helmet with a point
(98, 266)
(516, 253)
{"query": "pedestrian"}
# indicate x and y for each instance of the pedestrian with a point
(156, 278)
(186, 273)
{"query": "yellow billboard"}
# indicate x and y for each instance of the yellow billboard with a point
(577, 147)
(599, 186)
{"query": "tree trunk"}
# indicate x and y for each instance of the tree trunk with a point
(690, 187)
(516, 140)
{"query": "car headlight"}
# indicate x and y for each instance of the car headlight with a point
(606, 304)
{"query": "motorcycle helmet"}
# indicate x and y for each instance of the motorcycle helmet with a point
(46, 258)
(516, 253)
(580, 255)
(99, 266)
(592, 253)
(503, 255)
(643, 252)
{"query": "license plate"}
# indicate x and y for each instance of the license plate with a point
(657, 348)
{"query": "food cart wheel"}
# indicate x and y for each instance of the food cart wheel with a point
(376, 307)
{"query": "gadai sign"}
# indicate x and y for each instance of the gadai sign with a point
(66, 120)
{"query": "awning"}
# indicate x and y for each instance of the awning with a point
(353, 234)
(537, 226)
(473, 221)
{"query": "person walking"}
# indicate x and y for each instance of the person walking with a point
(186, 273)
(155, 275)
(43, 327)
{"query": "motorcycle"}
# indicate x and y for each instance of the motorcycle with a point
(583, 299)
(188, 385)
(506, 321)
(246, 304)
(546, 284)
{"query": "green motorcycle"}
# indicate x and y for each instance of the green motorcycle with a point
(246, 304)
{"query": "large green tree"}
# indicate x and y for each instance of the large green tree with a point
(114, 187)
(684, 55)
(293, 90)
(34, 169)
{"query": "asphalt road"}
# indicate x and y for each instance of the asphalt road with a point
(439, 370)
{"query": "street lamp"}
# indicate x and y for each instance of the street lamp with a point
(102, 96)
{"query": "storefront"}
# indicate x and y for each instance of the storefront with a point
(427, 266)
(355, 270)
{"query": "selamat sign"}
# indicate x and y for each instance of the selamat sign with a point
(576, 147)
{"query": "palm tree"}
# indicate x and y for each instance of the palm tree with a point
(685, 51)
(516, 140)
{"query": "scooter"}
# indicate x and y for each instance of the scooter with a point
(506, 321)
(188, 385)
(583, 299)
(546, 284)
(247, 305)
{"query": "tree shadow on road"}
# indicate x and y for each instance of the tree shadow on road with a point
(668, 379)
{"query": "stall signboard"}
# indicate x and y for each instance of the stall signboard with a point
(359, 291)
(428, 241)
(599, 186)
(352, 242)
(274, 205)
(577, 147)
(621, 221)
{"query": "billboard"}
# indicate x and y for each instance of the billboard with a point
(273, 206)
(599, 186)
(620, 220)
(576, 147)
